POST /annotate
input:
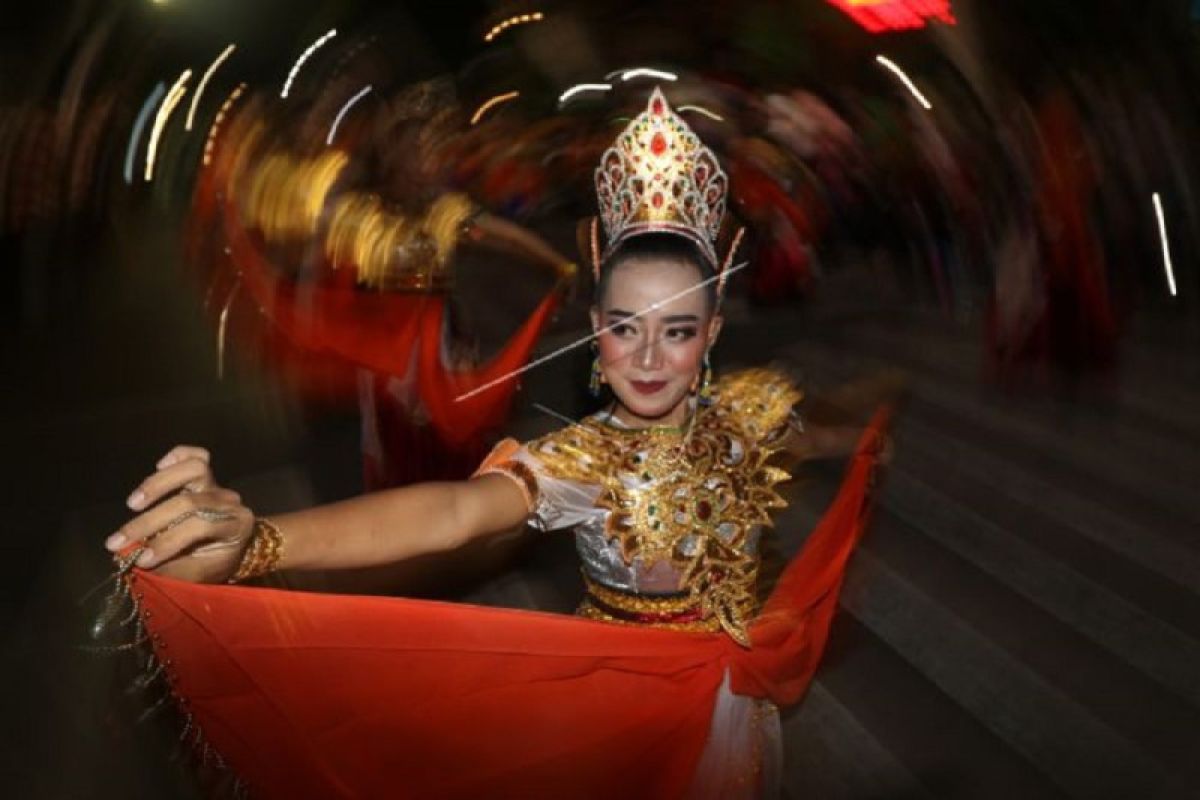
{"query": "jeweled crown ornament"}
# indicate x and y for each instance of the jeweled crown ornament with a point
(658, 176)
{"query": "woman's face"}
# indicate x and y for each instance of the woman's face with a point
(657, 333)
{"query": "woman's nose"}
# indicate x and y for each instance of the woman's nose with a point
(650, 356)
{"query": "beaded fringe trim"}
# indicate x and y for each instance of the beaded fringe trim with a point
(120, 629)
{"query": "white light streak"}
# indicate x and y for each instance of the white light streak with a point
(581, 342)
(646, 72)
(160, 120)
(1166, 250)
(312, 48)
(583, 87)
(899, 73)
(703, 111)
(495, 101)
(226, 53)
(338, 119)
(138, 124)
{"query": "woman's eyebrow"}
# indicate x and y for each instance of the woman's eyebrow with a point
(673, 319)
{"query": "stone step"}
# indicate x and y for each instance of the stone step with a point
(1083, 756)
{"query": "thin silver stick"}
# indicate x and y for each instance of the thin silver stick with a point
(555, 414)
(580, 342)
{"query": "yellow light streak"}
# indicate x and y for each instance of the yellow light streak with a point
(216, 125)
(160, 119)
(702, 111)
(488, 104)
(519, 19)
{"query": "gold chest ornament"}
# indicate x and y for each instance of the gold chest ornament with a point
(692, 497)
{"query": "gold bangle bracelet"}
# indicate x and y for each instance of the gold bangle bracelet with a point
(263, 553)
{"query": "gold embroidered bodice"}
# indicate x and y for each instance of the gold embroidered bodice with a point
(693, 498)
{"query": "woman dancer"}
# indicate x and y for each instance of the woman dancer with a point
(668, 689)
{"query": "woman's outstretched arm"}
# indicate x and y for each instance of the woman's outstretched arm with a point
(191, 528)
(397, 524)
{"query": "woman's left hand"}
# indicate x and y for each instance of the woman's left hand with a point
(189, 526)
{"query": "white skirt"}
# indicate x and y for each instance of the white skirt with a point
(742, 759)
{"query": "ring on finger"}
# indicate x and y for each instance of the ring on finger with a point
(214, 514)
(206, 514)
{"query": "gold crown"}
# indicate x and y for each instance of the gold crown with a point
(658, 176)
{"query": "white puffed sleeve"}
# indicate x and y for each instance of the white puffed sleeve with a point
(554, 503)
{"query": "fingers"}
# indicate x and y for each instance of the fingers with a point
(214, 528)
(172, 512)
(180, 452)
(190, 472)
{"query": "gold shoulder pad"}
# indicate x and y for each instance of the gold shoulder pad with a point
(758, 400)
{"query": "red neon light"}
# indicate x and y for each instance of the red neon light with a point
(878, 16)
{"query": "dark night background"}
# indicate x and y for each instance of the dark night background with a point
(1024, 618)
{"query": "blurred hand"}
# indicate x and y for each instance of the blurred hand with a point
(191, 528)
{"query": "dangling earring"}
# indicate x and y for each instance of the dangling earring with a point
(597, 373)
(704, 395)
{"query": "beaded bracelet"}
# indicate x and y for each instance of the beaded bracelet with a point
(263, 553)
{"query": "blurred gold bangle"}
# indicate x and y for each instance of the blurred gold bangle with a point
(263, 553)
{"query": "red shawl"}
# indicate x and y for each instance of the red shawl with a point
(311, 695)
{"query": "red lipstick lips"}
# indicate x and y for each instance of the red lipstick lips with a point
(647, 387)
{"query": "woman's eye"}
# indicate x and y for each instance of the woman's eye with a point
(681, 334)
(622, 329)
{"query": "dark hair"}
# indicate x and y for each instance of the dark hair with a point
(659, 245)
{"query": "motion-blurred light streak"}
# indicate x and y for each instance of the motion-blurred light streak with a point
(216, 124)
(583, 87)
(286, 196)
(160, 120)
(1166, 249)
(702, 111)
(519, 19)
(222, 326)
(491, 103)
(647, 72)
(208, 73)
(312, 48)
(880, 16)
(337, 121)
(899, 73)
(136, 134)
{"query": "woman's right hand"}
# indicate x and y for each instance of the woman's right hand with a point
(191, 528)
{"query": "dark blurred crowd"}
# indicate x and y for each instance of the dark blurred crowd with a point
(1012, 163)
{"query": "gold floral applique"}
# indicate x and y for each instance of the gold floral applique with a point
(691, 498)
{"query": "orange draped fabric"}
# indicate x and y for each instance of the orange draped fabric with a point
(383, 333)
(308, 695)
